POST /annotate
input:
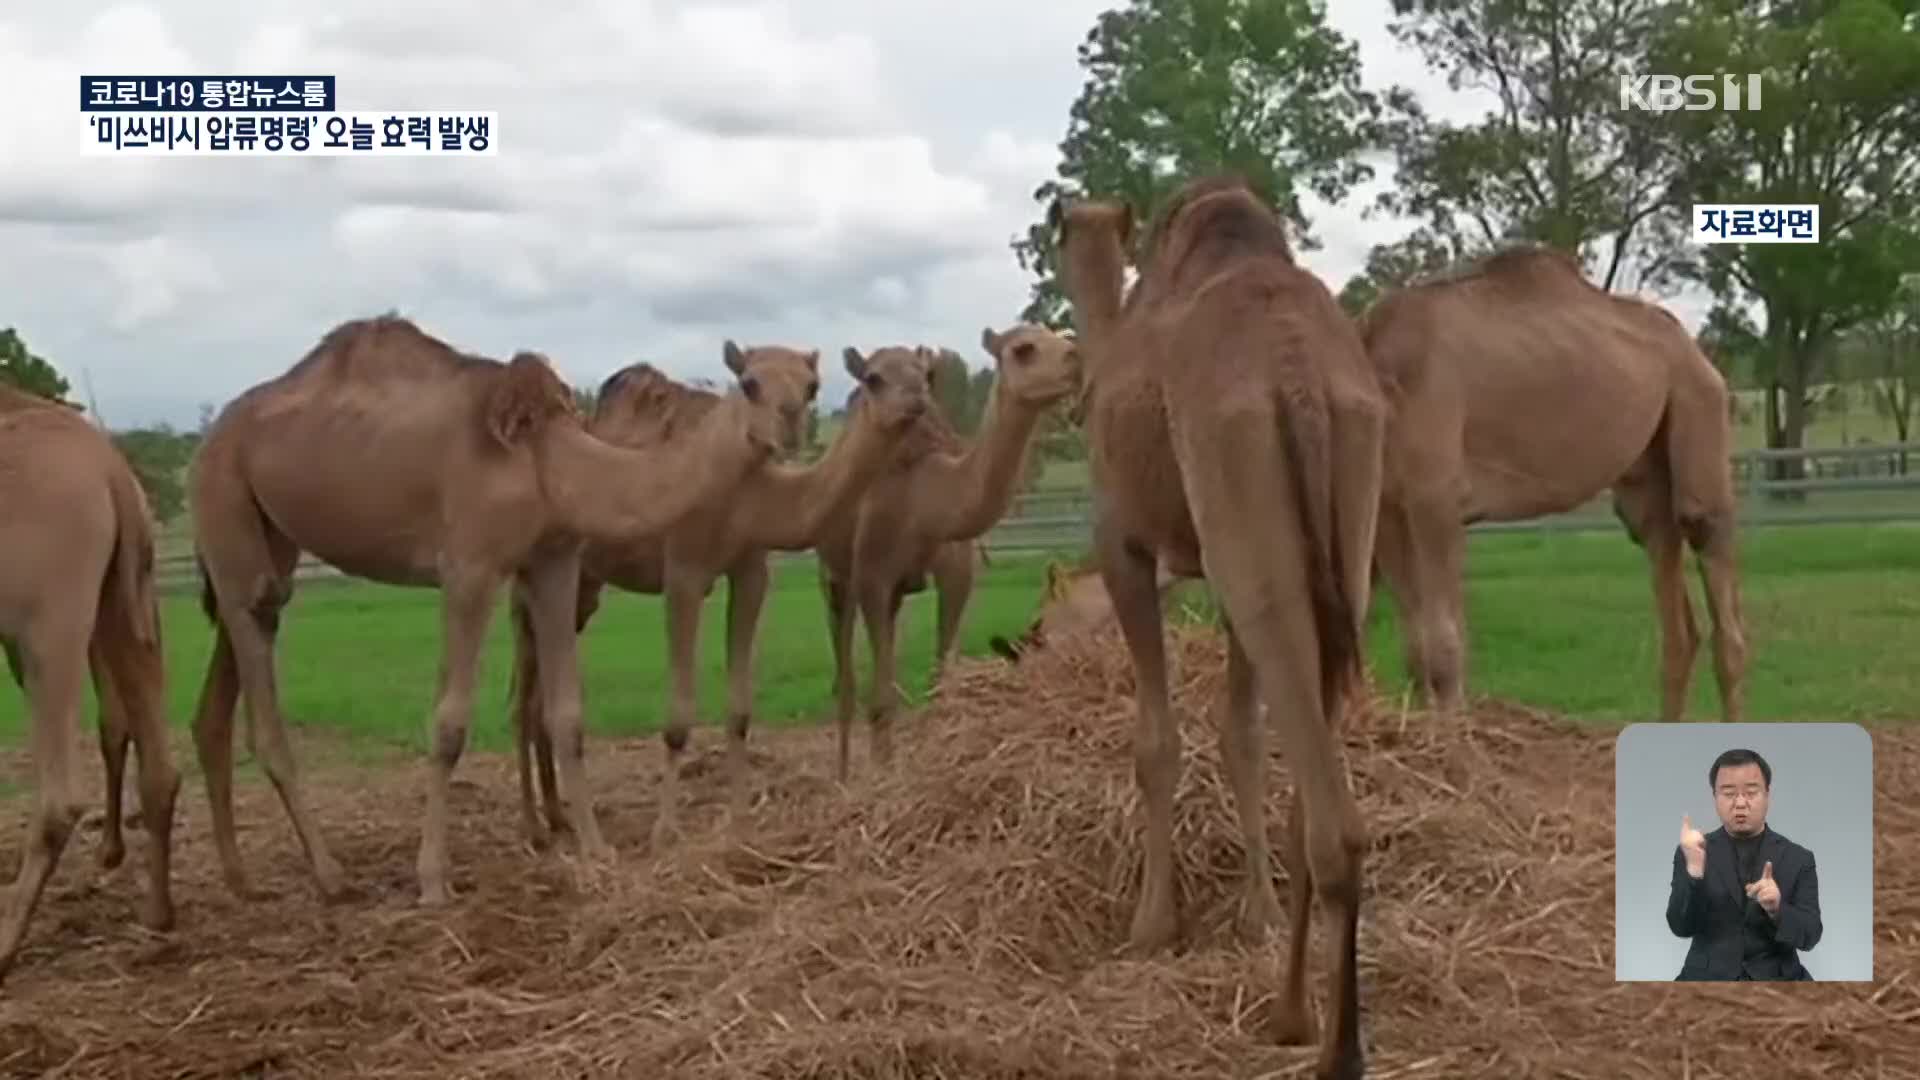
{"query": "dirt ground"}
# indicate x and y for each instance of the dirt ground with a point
(961, 917)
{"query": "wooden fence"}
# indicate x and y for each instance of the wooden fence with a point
(1834, 485)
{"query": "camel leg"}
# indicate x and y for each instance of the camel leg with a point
(686, 594)
(586, 603)
(135, 678)
(1642, 504)
(1359, 433)
(1129, 579)
(1243, 755)
(1394, 560)
(880, 608)
(249, 607)
(1712, 539)
(953, 584)
(1422, 550)
(213, 743)
(553, 594)
(466, 606)
(523, 709)
(55, 655)
(114, 737)
(1292, 1017)
(746, 593)
(1254, 554)
(840, 616)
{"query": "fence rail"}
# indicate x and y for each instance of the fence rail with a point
(1833, 485)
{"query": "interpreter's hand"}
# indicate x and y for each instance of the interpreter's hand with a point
(1765, 892)
(1693, 846)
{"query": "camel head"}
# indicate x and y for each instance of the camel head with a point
(779, 385)
(1092, 224)
(894, 384)
(528, 394)
(1036, 366)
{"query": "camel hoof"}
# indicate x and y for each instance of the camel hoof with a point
(1259, 917)
(1345, 1067)
(1290, 1025)
(112, 855)
(435, 896)
(1153, 932)
(331, 882)
(158, 916)
(666, 833)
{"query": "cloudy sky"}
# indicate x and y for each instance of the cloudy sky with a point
(810, 172)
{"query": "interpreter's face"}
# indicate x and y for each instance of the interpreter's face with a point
(1740, 795)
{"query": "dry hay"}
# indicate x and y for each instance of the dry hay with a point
(960, 918)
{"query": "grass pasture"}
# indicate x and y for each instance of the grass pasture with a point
(1560, 622)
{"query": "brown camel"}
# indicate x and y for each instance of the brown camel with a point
(778, 507)
(399, 460)
(77, 595)
(1520, 389)
(919, 517)
(1236, 434)
(1073, 602)
(953, 563)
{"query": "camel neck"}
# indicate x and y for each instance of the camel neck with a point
(793, 503)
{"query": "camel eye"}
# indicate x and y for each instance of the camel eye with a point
(750, 386)
(872, 382)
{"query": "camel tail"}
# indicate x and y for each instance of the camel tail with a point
(1309, 443)
(209, 604)
(133, 557)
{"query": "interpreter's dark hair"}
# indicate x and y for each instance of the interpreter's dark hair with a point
(1736, 757)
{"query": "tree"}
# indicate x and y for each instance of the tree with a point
(1884, 353)
(1393, 266)
(1839, 127)
(159, 457)
(1556, 161)
(22, 368)
(952, 391)
(1179, 87)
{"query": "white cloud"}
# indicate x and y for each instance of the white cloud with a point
(670, 174)
(157, 275)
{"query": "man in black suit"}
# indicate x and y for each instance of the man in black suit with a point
(1746, 895)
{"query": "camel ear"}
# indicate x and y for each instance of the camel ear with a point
(527, 394)
(736, 360)
(990, 341)
(856, 364)
(813, 361)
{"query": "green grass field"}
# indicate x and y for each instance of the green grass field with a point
(1558, 621)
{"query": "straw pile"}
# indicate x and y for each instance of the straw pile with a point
(959, 918)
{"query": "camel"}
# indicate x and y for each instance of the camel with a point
(1074, 602)
(1521, 389)
(918, 516)
(952, 565)
(1235, 434)
(777, 507)
(77, 596)
(397, 459)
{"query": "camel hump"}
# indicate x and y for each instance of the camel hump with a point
(384, 349)
(1517, 266)
(640, 405)
(526, 394)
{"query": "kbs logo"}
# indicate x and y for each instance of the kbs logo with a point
(1692, 93)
